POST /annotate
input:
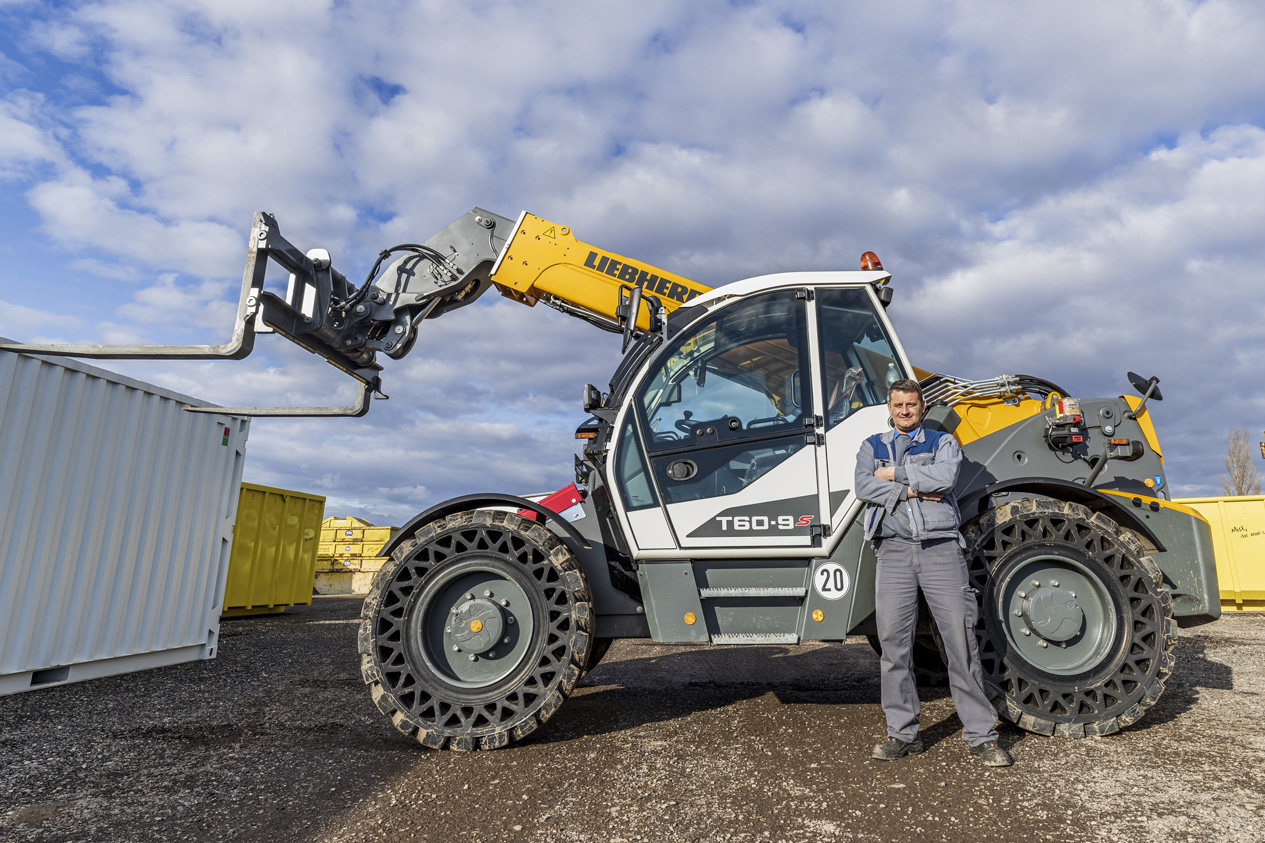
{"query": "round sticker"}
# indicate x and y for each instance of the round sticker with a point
(831, 581)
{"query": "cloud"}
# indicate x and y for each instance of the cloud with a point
(1156, 267)
(1072, 189)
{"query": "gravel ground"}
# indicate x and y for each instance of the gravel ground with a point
(277, 738)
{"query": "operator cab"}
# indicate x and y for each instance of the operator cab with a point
(741, 430)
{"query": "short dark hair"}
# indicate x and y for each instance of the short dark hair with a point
(905, 385)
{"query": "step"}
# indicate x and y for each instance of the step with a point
(752, 591)
(756, 638)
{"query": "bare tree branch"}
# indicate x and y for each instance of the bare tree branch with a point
(1241, 477)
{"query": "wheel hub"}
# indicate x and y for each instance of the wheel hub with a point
(477, 625)
(473, 626)
(1057, 614)
(1052, 612)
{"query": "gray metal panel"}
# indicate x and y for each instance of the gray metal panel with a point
(115, 521)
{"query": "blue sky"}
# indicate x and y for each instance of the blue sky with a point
(1068, 190)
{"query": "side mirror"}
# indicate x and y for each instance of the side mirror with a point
(884, 294)
(627, 312)
(592, 398)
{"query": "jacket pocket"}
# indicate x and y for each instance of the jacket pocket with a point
(938, 516)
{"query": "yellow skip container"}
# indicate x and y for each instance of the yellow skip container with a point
(273, 561)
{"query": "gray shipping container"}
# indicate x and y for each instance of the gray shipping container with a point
(116, 522)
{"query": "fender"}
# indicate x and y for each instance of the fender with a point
(974, 503)
(571, 537)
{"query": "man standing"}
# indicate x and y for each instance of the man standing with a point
(906, 476)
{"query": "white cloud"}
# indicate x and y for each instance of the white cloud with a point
(1071, 189)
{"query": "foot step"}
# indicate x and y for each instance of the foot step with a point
(756, 638)
(752, 591)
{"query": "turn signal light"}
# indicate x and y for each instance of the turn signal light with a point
(690, 619)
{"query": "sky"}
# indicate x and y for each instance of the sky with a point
(1069, 190)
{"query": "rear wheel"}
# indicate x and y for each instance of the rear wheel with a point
(476, 631)
(1078, 631)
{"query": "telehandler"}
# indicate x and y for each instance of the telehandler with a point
(713, 500)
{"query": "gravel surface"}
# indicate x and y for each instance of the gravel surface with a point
(277, 738)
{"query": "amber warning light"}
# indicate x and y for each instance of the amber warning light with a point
(870, 262)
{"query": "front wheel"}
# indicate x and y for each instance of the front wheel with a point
(1078, 631)
(476, 631)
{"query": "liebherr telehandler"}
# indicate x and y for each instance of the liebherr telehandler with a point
(713, 500)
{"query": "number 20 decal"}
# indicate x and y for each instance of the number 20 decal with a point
(831, 581)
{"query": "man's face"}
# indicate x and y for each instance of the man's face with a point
(906, 410)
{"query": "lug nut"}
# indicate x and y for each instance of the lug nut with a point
(1022, 595)
(448, 629)
(473, 657)
(504, 602)
(456, 649)
(1054, 583)
(487, 593)
(510, 619)
(1019, 613)
(505, 641)
(1036, 583)
(1027, 632)
(1042, 644)
(469, 595)
(1073, 593)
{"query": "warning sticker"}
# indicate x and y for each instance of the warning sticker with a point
(831, 581)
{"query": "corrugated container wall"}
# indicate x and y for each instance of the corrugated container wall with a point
(274, 550)
(115, 523)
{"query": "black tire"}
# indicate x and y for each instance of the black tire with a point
(429, 645)
(1078, 631)
(598, 650)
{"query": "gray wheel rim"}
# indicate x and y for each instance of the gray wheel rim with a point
(472, 626)
(1057, 614)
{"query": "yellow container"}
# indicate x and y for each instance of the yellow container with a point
(273, 561)
(1238, 537)
(332, 523)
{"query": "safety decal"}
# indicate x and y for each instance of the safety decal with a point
(831, 581)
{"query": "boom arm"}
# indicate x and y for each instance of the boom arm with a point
(531, 260)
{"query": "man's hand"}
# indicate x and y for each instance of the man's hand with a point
(887, 472)
(926, 496)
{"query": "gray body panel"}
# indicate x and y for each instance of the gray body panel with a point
(1179, 543)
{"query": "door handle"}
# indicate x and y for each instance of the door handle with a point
(681, 470)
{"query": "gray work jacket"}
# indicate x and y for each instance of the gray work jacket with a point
(931, 465)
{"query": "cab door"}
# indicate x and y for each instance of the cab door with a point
(731, 455)
(859, 359)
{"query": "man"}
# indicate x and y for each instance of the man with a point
(906, 476)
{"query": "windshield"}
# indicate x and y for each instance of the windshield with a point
(742, 366)
(858, 363)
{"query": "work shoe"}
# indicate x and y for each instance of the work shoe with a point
(991, 754)
(893, 748)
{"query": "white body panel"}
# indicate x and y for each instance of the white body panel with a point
(115, 523)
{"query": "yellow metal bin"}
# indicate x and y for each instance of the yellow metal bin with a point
(273, 561)
(1238, 534)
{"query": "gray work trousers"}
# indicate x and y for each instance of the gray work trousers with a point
(940, 569)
